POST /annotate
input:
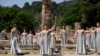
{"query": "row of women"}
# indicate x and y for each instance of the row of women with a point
(89, 37)
(15, 39)
(45, 39)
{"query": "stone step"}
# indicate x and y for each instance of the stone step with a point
(55, 55)
(25, 52)
(64, 52)
(6, 43)
(18, 55)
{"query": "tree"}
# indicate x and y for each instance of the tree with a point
(83, 12)
(26, 6)
(15, 6)
(36, 7)
(61, 8)
(98, 12)
(89, 11)
(93, 1)
(71, 15)
(10, 16)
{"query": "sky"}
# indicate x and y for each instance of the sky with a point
(20, 3)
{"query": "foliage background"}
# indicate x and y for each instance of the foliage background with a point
(65, 13)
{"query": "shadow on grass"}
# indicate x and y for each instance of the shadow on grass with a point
(21, 54)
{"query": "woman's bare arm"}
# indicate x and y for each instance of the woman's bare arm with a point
(35, 36)
(21, 36)
(49, 36)
(41, 35)
(75, 34)
(52, 28)
(11, 34)
(60, 33)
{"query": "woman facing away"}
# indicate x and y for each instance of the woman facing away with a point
(38, 36)
(88, 37)
(98, 38)
(93, 38)
(24, 37)
(40, 41)
(80, 45)
(46, 45)
(63, 36)
(14, 40)
(52, 39)
(30, 38)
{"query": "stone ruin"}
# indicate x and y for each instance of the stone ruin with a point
(3, 35)
(3, 41)
(70, 33)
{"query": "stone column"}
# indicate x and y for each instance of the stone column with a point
(46, 13)
(57, 33)
(76, 25)
(68, 29)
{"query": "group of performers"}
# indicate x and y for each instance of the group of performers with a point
(46, 39)
(88, 38)
(14, 39)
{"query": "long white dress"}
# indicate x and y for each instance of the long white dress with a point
(88, 39)
(52, 39)
(63, 37)
(14, 44)
(38, 38)
(98, 41)
(80, 46)
(93, 40)
(24, 38)
(30, 39)
(46, 44)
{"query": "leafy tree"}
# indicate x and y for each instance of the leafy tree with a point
(15, 6)
(81, 12)
(71, 15)
(57, 8)
(61, 8)
(26, 6)
(9, 16)
(93, 1)
(98, 12)
(36, 7)
(89, 11)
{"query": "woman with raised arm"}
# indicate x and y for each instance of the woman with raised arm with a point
(80, 45)
(24, 37)
(98, 38)
(14, 40)
(45, 33)
(30, 38)
(63, 36)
